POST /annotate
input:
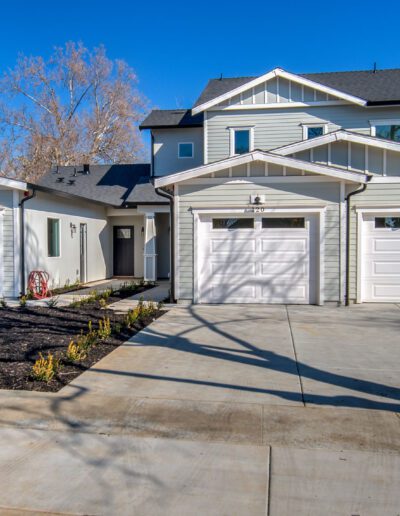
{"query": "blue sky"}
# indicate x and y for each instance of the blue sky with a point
(175, 47)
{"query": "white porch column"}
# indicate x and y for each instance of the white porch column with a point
(150, 255)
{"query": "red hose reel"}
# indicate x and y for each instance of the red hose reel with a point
(38, 284)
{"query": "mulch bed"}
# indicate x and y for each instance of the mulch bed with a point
(25, 332)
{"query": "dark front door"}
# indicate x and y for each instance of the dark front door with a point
(123, 251)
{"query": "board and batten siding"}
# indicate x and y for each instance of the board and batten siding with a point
(7, 219)
(306, 194)
(376, 195)
(277, 127)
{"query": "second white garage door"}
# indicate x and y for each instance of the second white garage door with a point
(261, 259)
(380, 252)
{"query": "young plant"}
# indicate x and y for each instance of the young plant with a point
(52, 302)
(44, 369)
(22, 301)
(102, 303)
(131, 317)
(104, 330)
(75, 352)
(3, 303)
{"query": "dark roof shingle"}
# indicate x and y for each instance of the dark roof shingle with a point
(380, 87)
(113, 185)
(161, 118)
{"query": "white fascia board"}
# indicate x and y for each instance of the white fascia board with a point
(266, 157)
(278, 72)
(363, 139)
(13, 183)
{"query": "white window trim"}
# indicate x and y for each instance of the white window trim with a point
(382, 121)
(307, 126)
(179, 147)
(291, 211)
(59, 238)
(232, 131)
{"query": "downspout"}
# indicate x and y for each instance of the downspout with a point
(170, 197)
(348, 214)
(22, 237)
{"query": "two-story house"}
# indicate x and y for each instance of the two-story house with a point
(284, 188)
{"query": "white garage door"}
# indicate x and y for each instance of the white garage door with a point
(262, 259)
(380, 251)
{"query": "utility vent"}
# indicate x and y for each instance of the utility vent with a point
(60, 180)
(71, 182)
(86, 169)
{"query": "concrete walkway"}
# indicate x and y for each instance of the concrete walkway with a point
(237, 410)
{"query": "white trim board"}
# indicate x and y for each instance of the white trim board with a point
(278, 72)
(265, 157)
(340, 135)
(279, 105)
(13, 183)
(1, 254)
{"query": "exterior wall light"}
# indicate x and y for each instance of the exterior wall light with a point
(73, 228)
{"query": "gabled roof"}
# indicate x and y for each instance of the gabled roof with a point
(340, 135)
(112, 185)
(168, 118)
(266, 157)
(375, 88)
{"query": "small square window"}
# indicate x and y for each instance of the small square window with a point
(387, 222)
(185, 150)
(242, 141)
(53, 238)
(314, 132)
(240, 223)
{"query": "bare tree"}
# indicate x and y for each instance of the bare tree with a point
(76, 107)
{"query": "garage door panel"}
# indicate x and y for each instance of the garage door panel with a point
(231, 292)
(284, 294)
(390, 245)
(286, 245)
(386, 268)
(297, 267)
(233, 268)
(232, 245)
(386, 290)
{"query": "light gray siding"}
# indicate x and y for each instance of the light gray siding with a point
(276, 127)
(237, 195)
(376, 195)
(6, 202)
(166, 160)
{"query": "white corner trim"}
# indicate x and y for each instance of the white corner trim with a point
(263, 157)
(17, 244)
(205, 138)
(1, 254)
(176, 244)
(359, 230)
(340, 135)
(278, 72)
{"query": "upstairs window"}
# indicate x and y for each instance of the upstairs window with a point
(241, 140)
(314, 130)
(185, 150)
(386, 129)
(53, 238)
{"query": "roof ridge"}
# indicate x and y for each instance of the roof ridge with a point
(370, 70)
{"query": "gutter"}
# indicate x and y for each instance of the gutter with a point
(348, 214)
(22, 237)
(170, 197)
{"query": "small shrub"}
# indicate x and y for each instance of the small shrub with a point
(117, 328)
(3, 303)
(75, 352)
(52, 302)
(22, 301)
(104, 330)
(131, 317)
(44, 369)
(29, 294)
(102, 303)
(160, 305)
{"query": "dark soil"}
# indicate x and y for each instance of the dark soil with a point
(26, 332)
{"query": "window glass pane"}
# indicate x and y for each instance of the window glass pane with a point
(313, 132)
(284, 222)
(242, 142)
(186, 150)
(387, 222)
(233, 223)
(124, 233)
(53, 237)
(389, 132)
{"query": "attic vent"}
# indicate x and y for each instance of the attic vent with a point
(86, 169)
(71, 182)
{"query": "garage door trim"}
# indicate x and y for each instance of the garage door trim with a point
(319, 211)
(361, 235)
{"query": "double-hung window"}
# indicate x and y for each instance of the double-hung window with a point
(53, 238)
(241, 140)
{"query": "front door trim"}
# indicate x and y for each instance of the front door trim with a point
(319, 211)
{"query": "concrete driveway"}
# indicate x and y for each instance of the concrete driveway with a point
(218, 410)
(343, 357)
